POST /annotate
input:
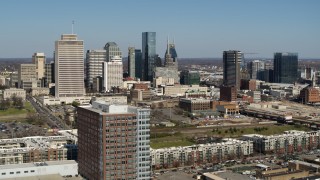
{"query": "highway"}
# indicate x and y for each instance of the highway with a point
(52, 121)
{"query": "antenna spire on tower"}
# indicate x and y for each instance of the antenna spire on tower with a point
(72, 26)
(168, 48)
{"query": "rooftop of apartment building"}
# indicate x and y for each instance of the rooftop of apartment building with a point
(226, 142)
(37, 164)
(290, 133)
(34, 142)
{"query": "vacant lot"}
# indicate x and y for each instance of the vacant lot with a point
(13, 114)
(173, 137)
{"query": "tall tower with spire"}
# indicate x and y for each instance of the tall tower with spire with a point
(167, 75)
(171, 58)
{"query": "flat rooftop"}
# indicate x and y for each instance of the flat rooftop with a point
(37, 164)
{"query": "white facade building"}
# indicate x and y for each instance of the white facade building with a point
(39, 59)
(113, 73)
(94, 63)
(69, 67)
(201, 153)
(8, 93)
(63, 168)
(288, 142)
(143, 143)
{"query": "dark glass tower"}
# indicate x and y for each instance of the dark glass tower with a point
(285, 67)
(138, 63)
(148, 54)
(231, 68)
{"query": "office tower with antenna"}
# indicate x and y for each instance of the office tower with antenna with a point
(69, 66)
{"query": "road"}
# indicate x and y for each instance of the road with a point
(52, 121)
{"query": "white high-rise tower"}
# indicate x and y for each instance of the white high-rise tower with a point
(69, 67)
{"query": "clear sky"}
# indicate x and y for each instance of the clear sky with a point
(201, 28)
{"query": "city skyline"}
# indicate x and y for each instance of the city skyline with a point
(216, 26)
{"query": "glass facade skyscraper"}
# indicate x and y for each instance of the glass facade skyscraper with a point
(138, 63)
(285, 67)
(148, 54)
(231, 68)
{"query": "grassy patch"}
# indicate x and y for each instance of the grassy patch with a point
(14, 111)
(170, 141)
(179, 138)
(17, 114)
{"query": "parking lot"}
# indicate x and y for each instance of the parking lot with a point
(170, 175)
(16, 130)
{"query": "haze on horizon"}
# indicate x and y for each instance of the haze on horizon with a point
(200, 28)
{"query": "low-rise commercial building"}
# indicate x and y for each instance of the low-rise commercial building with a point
(47, 100)
(280, 173)
(63, 168)
(201, 153)
(8, 93)
(112, 99)
(180, 90)
(140, 95)
(40, 91)
(129, 84)
(227, 108)
(310, 95)
(256, 95)
(297, 165)
(195, 104)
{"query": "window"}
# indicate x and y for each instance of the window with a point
(18, 172)
(32, 171)
(3, 173)
(26, 171)
(11, 172)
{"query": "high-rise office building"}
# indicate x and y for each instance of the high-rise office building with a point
(148, 54)
(138, 63)
(112, 49)
(113, 141)
(285, 67)
(231, 68)
(131, 62)
(113, 73)
(39, 59)
(188, 77)
(49, 73)
(255, 67)
(27, 76)
(69, 66)
(94, 65)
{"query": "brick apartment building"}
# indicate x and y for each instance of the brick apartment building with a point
(113, 141)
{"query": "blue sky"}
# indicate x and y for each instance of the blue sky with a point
(201, 28)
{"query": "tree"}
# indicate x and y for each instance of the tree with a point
(4, 104)
(14, 99)
(75, 104)
(19, 103)
(32, 118)
(2, 87)
(161, 105)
